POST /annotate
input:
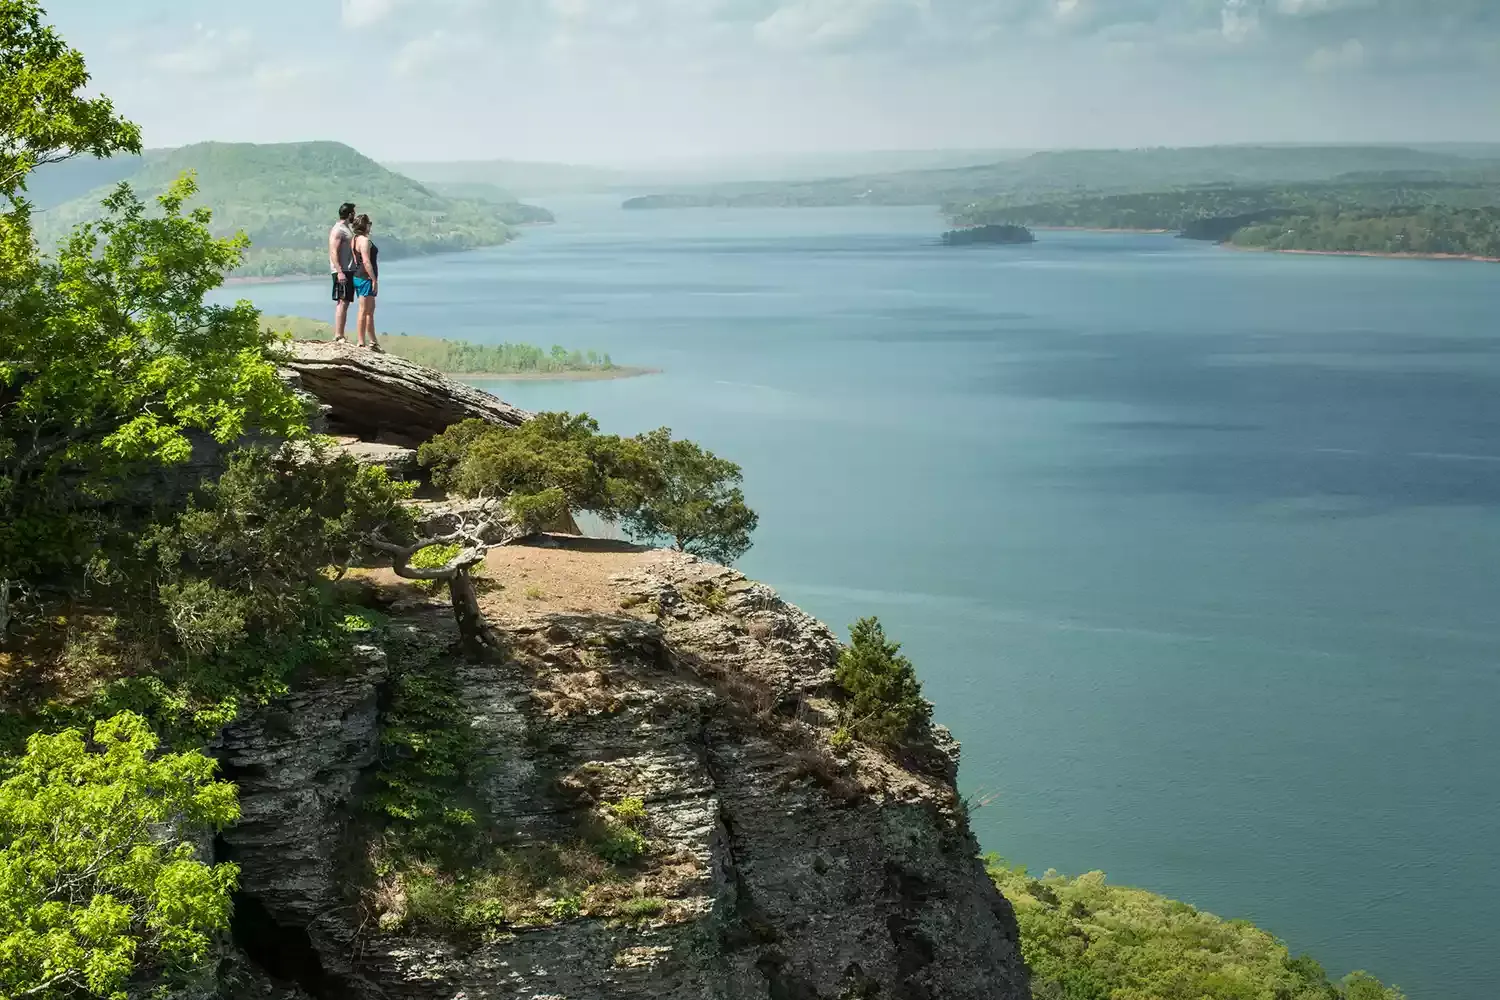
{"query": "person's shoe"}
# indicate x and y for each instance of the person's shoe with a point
(377, 348)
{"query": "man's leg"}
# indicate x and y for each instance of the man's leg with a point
(340, 318)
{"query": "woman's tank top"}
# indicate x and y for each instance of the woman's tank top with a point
(367, 268)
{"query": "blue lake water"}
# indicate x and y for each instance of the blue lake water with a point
(1195, 550)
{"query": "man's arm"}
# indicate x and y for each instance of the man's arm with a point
(333, 253)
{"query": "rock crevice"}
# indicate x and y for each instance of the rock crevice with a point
(786, 868)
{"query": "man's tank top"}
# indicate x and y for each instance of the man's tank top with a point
(345, 237)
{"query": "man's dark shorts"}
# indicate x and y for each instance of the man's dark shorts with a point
(343, 290)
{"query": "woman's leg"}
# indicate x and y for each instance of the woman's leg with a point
(370, 320)
(363, 318)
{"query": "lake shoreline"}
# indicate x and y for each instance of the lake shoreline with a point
(269, 279)
(592, 375)
(1367, 253)
(1097, 229)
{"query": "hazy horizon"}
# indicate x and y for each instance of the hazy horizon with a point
(642, 82)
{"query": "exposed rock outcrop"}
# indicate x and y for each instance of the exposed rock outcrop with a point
(785, 867)
(380, 397)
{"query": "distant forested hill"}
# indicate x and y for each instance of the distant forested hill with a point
(1049, 175)
(1433, 230)
(1383, 217)
(286, 195)
(1181, 209)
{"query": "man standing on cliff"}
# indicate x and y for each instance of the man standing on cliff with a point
(341, 263)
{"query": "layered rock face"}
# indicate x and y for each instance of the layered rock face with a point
(786, 868)
(386, 399)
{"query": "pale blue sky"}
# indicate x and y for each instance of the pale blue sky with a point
(637, 80)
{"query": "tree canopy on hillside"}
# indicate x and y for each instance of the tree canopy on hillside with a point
(284, 196)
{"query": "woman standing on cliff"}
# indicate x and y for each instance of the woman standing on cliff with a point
(366, 282)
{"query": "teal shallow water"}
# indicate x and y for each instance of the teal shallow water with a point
(1195, 549)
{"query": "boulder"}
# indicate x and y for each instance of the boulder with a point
(380, 397)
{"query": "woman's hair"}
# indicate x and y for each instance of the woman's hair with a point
(362, 225)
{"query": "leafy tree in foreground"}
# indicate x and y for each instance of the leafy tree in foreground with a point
(43, 117)
(109, 359)
(92, 886)
(885, 703)
(693, 497)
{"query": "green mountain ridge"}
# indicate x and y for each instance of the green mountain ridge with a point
(285, 196)
(1046, 175)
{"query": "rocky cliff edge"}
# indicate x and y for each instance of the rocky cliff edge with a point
(778, 862)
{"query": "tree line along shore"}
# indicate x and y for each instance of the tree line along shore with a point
(466, 359)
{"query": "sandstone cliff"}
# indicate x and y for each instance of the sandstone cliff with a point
(778, 866)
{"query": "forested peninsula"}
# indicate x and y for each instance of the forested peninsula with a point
(284, 197)
(1400, 217)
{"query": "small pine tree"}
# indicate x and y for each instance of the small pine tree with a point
(885, 704)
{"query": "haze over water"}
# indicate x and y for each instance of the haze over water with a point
(1195, 550)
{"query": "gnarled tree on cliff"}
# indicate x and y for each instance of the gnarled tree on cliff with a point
(558, 463)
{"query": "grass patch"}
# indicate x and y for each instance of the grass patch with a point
(708, 594)
(615, 831)
(512, 889)
(643, 908)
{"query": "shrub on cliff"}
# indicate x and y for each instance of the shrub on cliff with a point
(691, 496)
(1084, 939)
(97, 876)
(657, 488)
(885, 703)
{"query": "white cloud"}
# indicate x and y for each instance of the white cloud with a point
(274, 78)
(209, 52)
(1332, 58)
(1301, 8)
(363, 13)
(1238, 20)
(820, 24)
(436, 53)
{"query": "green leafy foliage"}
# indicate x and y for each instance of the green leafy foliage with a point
(43, 116)
(1084, 939)
(552, 462)
(224, 603)
(109, 362)
(432, 557)
(460, 357)
(97, 877)
(1399, 215)
(1469, 232)
(616, 835)
(692, 497)
(427, 747)
(285, 197)
(885, 704)
(559, 462)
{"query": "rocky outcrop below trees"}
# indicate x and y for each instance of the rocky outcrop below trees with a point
(385, 399)
(780, 863)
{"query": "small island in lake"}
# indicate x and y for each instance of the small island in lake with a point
(994, 233)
